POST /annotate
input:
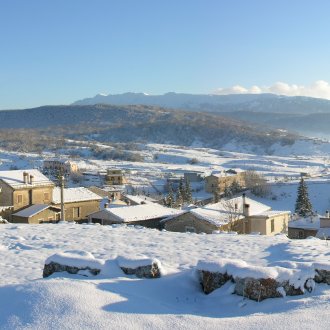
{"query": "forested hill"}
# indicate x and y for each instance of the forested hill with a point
(142, 123)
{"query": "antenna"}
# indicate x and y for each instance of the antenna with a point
(62, 197)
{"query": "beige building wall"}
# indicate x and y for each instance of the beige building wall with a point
(21, 197)
(85, 208)
(214, 183)
(115, 177)
(6, 194)
(42, 195)
(264, 224)
(43, 216)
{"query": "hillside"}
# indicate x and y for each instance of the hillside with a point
(305, 115)
(106, 123)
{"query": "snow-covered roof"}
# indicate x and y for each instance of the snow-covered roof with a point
(15, 178)
(213, 216)
(224, 173)
(229, 205)
(72, 195)
(220, 213)
(140, 199)
(139, 212)
(114, 188)
(305, 223)
(272, 213)
(32, 210)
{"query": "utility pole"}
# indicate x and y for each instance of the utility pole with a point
(62, 198)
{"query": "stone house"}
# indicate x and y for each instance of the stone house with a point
(63, 166)
(22, 188)
(314, 226)
(38, 213)
(193, 176)
(218, 181)
(147, 215)
(115, 177)
(78, 202)
(240, 214)
(110, 192)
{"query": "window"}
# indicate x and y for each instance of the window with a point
(272, 225)
(19, 199)
(76, 212)
(46, 196)
(190, 229)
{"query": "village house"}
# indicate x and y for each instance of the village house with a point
(111, 192)
(63, 166)
(240, 214)
(193, 176)
(218, 181)
(38, 213)
(22, 188)
(147, 215)
(314, 225)
(115, 177)
(78, 202)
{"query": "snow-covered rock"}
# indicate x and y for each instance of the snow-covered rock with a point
(73, 262)
(147, 268)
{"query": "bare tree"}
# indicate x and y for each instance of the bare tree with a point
(231, 208)
(256, 183)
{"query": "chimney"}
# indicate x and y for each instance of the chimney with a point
(62, 198)
(25, 177)
(31, 179)
(246, 207)
(327, 214)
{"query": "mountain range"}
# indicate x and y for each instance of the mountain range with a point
(305, 115)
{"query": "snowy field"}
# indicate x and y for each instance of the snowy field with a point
(117, 301)
(286, 163)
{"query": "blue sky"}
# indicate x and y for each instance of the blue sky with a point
(55, 52)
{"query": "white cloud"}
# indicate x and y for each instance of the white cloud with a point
(320, 89)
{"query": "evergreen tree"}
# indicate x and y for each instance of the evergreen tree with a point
(182, 190)
(227, 191)
(187, 193)
(235, 187)
(303, 205)
(179, 199)
(216, 196)
(170, 197)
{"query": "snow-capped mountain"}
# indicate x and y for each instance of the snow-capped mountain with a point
(305, 115)
(217, 103)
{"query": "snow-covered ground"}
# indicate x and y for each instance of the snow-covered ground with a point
(164, 160)
(117, 301)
